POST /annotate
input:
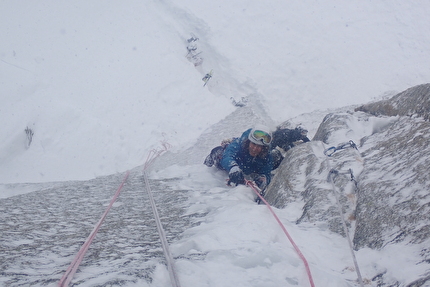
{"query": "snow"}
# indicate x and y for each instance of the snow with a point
(103, 83)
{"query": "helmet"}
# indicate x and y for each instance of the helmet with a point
(260, 135)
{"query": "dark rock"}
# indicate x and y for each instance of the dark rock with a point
(412, 102)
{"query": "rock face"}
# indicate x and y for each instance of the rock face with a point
(382, 184)
(394, 201)
(412, 102)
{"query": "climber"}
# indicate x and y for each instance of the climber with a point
(247, 156)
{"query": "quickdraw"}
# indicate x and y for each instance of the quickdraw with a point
(332, 150)
(262, 194)
(334, 173)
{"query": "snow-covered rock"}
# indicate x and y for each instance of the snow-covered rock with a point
(378, 162)
(412, 102)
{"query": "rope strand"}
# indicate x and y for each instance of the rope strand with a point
(153, 154)
(339, 206)
(308, 271)
(71, 270)
(169, 258)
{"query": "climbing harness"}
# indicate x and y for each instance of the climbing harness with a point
(330, 178)
(302, 257)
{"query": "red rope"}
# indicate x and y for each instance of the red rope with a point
(153, 154)
(308, 271)
(68, 275)
(71, 270)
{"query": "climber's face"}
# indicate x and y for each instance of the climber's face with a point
(254, 149)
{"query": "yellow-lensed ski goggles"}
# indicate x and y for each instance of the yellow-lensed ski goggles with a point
(261, 137)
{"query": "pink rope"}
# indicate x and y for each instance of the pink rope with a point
(308, 271)
(153, 154)
(70, 272)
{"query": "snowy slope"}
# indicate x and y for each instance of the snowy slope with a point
(101, 84)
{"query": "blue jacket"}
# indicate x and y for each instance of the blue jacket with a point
(238, 154)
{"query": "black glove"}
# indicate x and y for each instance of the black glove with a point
(261, 181)
(236, 176)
